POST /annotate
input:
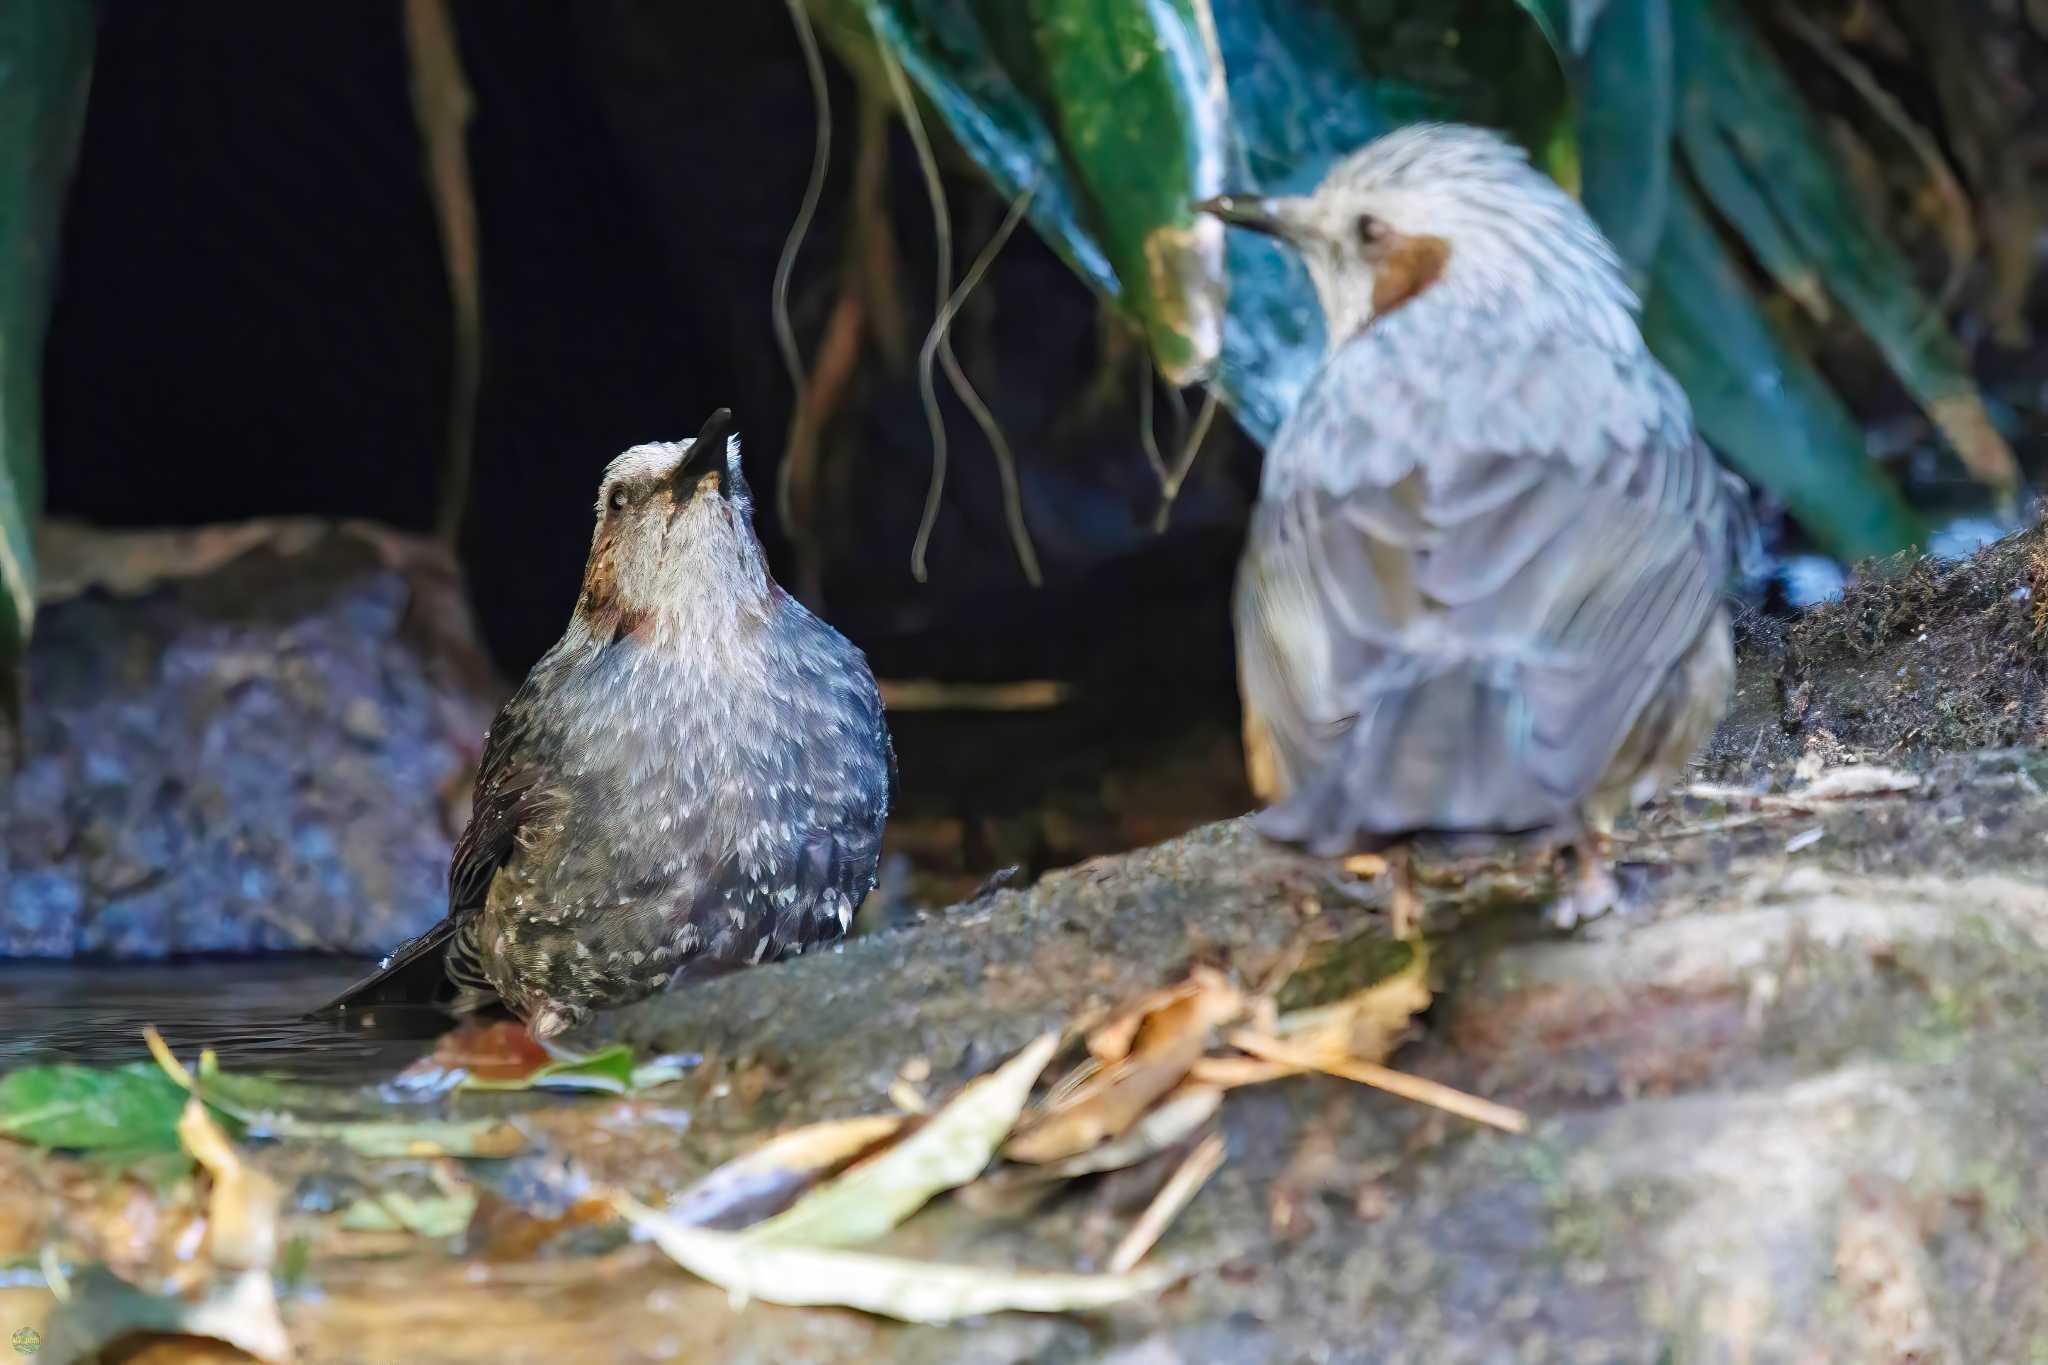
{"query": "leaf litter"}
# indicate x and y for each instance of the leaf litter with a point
(776, 1223)
(223, 1291)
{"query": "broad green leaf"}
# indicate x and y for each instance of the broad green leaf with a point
(130, 1109)
(945, 50)
(1554, 17)
(1300, 98)
(1625, 84)
(1804, 218)
(1140, 107)
(45, 65)
(1764, 409)
(133, 1110)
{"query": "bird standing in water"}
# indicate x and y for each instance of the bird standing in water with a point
(694, 778)
(1482, 591)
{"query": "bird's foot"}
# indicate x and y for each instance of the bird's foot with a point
(1404, 905)
(554, 1018)
(1593, 889)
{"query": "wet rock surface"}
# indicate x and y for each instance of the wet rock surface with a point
(240, 739)
(1789, 1107)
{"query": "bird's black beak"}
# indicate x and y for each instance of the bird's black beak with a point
(707, 454)
(1246, 211)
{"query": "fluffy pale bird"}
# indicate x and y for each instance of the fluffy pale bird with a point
(693, 779)
(1483, 589)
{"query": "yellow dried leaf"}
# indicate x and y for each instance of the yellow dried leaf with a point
(1170, 1121)
(948, 1149)
(768, 1177)
(913, 1291)
(1366, 1024)
(1173, 1029)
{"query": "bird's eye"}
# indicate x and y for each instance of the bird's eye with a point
(618, 499)
(1371, 231)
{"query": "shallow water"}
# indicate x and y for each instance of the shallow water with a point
(252, 1013)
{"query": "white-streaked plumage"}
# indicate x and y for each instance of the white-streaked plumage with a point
(694, 778)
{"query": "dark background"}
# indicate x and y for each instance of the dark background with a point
(252, 317)
(252, 320)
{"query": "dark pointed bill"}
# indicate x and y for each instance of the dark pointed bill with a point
(708, 453)
(1245, 211)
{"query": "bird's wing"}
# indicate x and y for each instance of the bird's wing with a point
(508, 795)
(851, 786)
(1471, 568)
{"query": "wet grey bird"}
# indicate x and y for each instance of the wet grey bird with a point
(1482, 591)
(694, 778)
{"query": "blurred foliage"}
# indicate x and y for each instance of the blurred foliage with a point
(1746, 127)
(1667, 116)
(45, 64)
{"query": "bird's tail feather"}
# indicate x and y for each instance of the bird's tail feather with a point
(1456, 753)
(416, 974)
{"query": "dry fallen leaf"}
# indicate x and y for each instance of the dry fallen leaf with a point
(1167, 1039)
(501, 1050)
(949, 1149)
(1860, 779)
(765, 1180)
(1228, 1073)
(1171, 1121)
(1110, 1041)
(242, 1207)
(1367, 1024)
(913, 1291)
(1365, 866)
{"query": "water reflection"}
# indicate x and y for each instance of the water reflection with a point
(251, 1013)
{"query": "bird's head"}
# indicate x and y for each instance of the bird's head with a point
(1448, 210)
(675, 533)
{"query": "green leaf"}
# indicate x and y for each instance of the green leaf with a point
(1138, 99)
(131, 1109)
(945, 50)
(1300, 98)
(1625, 83)
(1745, 118)
(1764, 409)
(271, 1108)
(436, 1215)
(1554, 17)
(45, 65)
